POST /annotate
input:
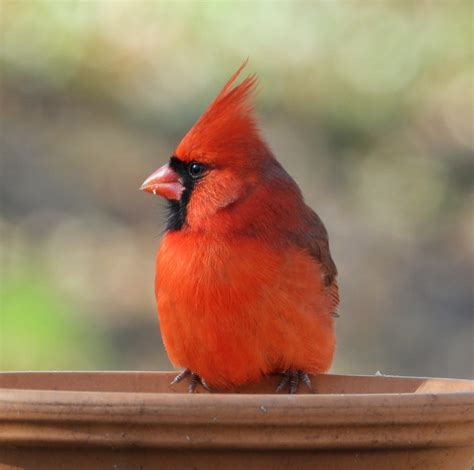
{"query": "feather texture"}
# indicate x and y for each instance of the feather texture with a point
(247, 285)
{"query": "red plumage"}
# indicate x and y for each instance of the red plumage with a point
(245, 282)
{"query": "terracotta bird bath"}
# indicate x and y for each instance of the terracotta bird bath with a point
(136, 420)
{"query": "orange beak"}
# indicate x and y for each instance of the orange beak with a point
(164, 182)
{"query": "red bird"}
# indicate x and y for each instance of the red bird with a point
(245, 283)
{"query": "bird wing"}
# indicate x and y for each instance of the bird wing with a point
(315, 239)
(293, 221)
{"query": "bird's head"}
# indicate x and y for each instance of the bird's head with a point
(218, 161)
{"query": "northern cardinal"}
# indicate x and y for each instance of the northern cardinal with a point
(245, 282)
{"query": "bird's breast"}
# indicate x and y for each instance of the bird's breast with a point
(227, 306)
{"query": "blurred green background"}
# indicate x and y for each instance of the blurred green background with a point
(369, 105)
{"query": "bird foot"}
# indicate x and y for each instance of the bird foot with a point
(291, 379)
(194, 380)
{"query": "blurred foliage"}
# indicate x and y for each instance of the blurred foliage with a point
(369, 105)
(39, 328)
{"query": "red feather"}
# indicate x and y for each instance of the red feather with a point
(247, 286)
(228, 127)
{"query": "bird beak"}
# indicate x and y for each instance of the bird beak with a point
(164, 182)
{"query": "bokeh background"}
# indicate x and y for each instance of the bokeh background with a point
(369, 105)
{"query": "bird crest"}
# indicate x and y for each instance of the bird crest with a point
(228, 127)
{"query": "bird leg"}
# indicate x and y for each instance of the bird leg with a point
(291, 379)
(194, 380)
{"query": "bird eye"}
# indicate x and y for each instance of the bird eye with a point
(196, 169)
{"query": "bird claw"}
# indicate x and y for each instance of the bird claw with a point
(306, 380)
(193, 381)
(182, 375)
(204, 384)
(291, 379)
